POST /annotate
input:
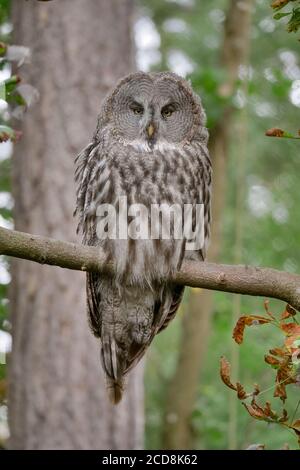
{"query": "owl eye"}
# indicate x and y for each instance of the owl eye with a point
(137, 109)
(167, 111)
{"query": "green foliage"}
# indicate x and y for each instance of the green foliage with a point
(207, 83)
(293, 14)
(4, 10)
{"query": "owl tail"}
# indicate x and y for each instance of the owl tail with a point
(112, 360)
(115, 390)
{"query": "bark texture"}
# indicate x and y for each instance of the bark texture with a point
(57, 396)
(178, 433)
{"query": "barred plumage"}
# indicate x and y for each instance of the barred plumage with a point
(150, 147)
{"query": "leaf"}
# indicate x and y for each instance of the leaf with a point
(296, 425)
(290, 329)
(3, 389)
(7, 133)
(243, 321)
(294, 22)
(281, 352)
(3, 48)
(289, 312)
(278, 16)
(269, 412)
(278, 4)
(296, 428)
(284, 418)
(225, 373)
(29, 94)
(256, 390)
(241, 393)
(292, 343)
(272, 360)
(285, 373)
(255, 411)
(11, 83)
(296, 357)
(280, 392)
(267, 409)
(275, 132)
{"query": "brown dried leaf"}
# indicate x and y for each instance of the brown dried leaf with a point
(269, 412)
(278, 352)
(255, 411)
(267, 409)
(296, 428)
(4, 137)
(225, 373)
(290, 329)
(279, 3)
(280, 392)
(292, 343)
(284, 417)
(256, 390)
(285, 373)
(274, 132)
(11, 134)
(247, 320)
(289, 312)
(296, 356)
(296, 425)
(241, 392)
(272, 360)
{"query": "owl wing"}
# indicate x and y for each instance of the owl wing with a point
(202, 183)
(197, 190)
(93, 294)
(88, 165)
(176, 301)
(90, 176)
(204, 177)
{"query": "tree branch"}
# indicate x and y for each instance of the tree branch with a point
(247, 280)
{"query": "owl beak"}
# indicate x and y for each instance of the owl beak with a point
(150, 130)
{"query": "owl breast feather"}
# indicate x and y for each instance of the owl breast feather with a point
(127, 176)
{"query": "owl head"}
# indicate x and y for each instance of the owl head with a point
(151, 108)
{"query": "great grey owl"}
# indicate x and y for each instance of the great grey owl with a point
(149, 148)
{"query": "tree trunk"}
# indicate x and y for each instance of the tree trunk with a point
(57, 396)
(177, 432)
